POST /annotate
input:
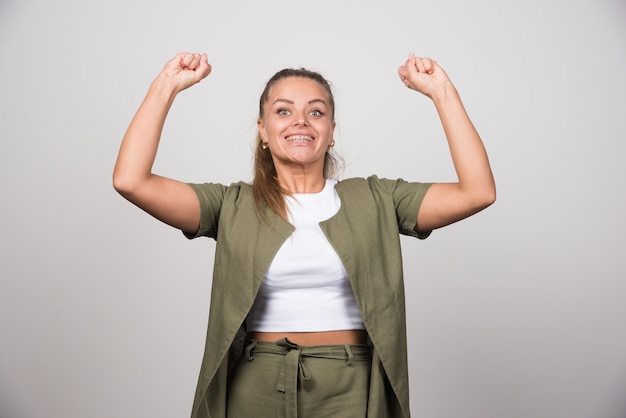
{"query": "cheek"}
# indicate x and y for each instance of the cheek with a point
(276, 128)
(326, 130)
(269, 130)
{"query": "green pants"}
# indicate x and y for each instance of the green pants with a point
(285, 380)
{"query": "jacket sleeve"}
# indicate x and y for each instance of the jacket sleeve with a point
(210, 198)
(407, 198)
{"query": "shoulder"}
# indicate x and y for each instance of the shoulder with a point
(218, 201)
(395, 198)
(366, 182)
(365, 191)
(214, 197)
(220, 191)
(374, 184)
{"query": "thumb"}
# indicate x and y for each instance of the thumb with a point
(204, 68)
(408, 70)
(402, 72)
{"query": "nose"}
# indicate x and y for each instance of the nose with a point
(300, 119)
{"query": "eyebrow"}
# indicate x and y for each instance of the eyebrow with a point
(291, 102)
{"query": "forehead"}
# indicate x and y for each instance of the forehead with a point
(294, 88)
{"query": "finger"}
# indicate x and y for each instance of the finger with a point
(410, 61)
(419, 64)
(204, 68)
(205, 62)
(429, 65)
(183, 59)
(411, 67)
(175, 62)
(195, 61)
(187, 59)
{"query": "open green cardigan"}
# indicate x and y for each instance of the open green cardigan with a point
(365, 235)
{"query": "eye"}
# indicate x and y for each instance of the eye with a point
(316, 113)
(283, 112)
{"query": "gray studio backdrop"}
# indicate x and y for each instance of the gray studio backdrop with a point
(517, 312)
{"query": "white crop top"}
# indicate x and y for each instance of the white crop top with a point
(306, 288)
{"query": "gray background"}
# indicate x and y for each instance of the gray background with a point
(517, 312)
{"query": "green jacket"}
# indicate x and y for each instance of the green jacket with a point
(365, 235)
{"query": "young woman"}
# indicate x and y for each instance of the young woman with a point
(307, 312)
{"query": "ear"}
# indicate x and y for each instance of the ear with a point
(261, 127)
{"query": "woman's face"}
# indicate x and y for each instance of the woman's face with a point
(297, 124)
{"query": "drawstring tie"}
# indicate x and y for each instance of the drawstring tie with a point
(292, 370)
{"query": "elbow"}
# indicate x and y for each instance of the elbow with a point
(122, 184)
(480, 198)
(486, 198)
(489, 195)
(130, 185)
(119, 183)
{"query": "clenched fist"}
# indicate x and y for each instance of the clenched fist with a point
(423, 75)
(186, 69)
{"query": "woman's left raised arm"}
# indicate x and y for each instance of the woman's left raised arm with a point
(475, 189)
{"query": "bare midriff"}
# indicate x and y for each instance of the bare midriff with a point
(350, 336)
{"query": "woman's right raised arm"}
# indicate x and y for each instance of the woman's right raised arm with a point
(170, 201)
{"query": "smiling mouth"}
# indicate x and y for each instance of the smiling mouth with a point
(299, 138)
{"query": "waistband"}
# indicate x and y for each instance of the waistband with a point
(293, 370)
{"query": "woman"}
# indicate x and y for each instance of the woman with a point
(307, 310)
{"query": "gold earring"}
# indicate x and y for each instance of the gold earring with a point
(332, 144)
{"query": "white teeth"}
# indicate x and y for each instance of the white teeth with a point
(299, 138)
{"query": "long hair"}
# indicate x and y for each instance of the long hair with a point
(267, 191)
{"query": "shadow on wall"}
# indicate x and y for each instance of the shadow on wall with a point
(620, 406)
(8, 405)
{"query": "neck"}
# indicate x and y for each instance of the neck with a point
(302, 183)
